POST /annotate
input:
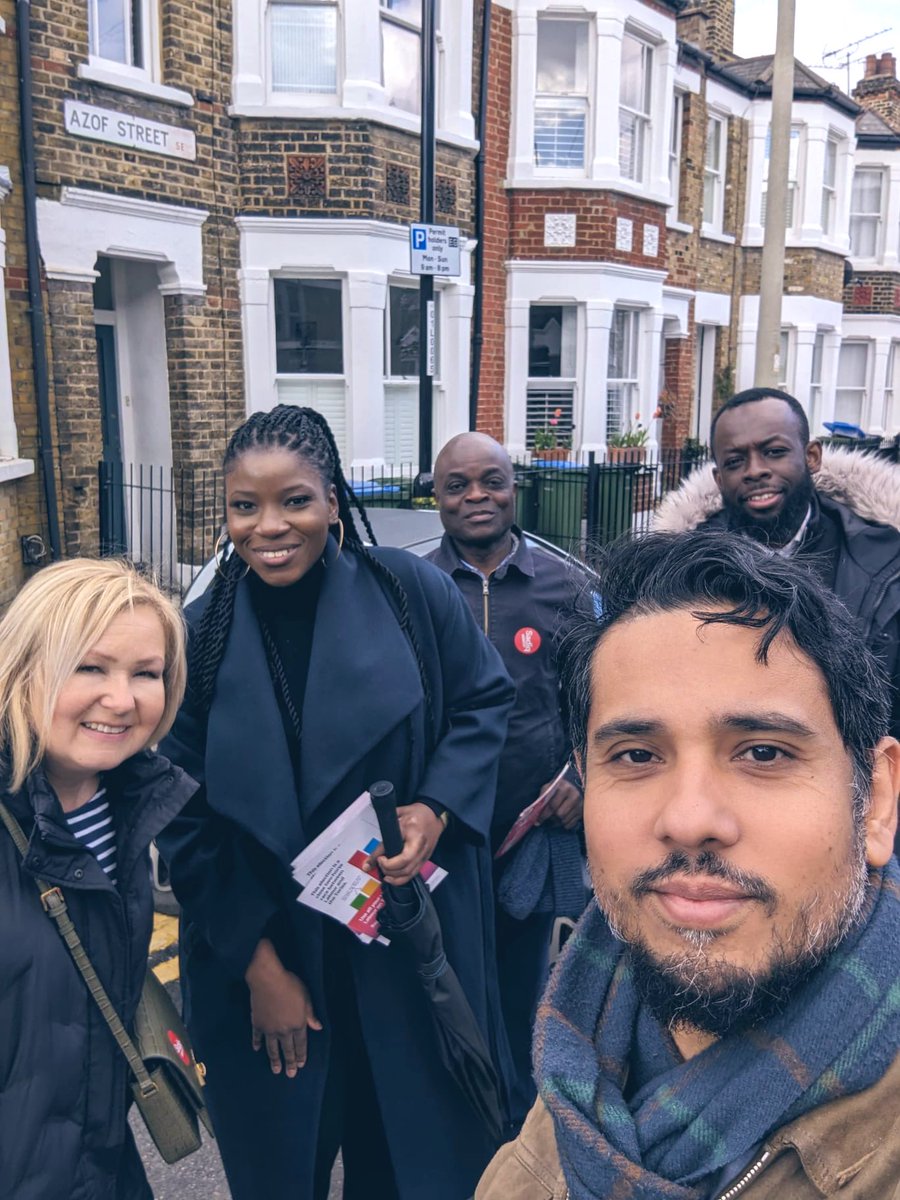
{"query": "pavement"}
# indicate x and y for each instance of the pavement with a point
(199, 1176)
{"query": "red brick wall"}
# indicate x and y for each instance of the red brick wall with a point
(678, 386)
(496, 225)
(596, 214)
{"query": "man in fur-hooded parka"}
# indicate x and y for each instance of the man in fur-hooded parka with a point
(839, 509)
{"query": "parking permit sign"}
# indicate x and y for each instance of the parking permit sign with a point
(434, 250)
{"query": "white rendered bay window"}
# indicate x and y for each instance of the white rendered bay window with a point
(309, 349)
(635, 94)
(303, 39)
(561, 87)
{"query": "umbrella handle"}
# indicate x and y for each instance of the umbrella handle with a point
(384, 801)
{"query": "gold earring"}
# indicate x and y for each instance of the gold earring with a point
(219, 561)
(341, 538)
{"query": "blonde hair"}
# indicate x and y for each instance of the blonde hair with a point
(49, 628)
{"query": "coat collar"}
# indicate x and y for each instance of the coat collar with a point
(363, 680)
(447, 557)
(865, 484)
(836, 1141)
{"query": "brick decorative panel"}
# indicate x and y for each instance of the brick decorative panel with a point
(307, 176)
(444, 194)
(397, 185)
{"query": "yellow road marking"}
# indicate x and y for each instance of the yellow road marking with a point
(167, 971)
(165, 933)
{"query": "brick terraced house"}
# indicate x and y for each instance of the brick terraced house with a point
(223, 197)
(628, 200)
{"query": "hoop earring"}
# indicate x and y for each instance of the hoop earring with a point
(219, 561)
(341, 537)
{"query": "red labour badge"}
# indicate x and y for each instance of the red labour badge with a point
(527, 640)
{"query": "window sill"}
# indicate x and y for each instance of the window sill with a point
(679, 227)
(395, 118)
(15, 468)
(109, 77)
(713, 235)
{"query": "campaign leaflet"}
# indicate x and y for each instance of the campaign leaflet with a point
(530, 816)
(330, 871)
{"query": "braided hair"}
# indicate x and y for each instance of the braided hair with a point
(307, 434)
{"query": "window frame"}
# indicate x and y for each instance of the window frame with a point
(575, 101)
(149, 68)
(387, 15)
(310, 278)
(643, 119)
(878, 217)
(862, 389)
(829, 190)
(675, 147)
(629, 383)
(793, 203)
(308, 95)
(563, 388)
(715, 222)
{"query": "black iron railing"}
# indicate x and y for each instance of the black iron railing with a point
(168, 519)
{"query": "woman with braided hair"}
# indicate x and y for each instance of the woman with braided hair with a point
(316, 667)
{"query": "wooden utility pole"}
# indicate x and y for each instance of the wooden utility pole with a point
(768, 335)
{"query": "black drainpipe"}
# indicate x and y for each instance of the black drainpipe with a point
(35, 299)
(478, 298)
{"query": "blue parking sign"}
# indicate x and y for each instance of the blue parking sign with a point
(419, 238)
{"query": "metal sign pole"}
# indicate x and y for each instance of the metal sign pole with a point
(426, 214)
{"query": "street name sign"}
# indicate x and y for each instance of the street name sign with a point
(434, 250)
(125, 129)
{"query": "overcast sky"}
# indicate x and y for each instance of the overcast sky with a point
(821, 25)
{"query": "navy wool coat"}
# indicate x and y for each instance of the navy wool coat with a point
(64, 1083)
(230, 852)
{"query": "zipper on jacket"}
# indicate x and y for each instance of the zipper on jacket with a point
(486, 604)
(738, 1187)
(747, 1178)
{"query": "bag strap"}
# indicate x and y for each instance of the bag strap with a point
(55, 906)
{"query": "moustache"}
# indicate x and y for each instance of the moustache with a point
(707, 864)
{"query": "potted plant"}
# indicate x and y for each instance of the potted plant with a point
(549, 444)
(630, 445)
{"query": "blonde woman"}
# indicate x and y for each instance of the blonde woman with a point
(92, 671)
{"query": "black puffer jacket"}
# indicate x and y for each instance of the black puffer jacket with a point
(64, 1083)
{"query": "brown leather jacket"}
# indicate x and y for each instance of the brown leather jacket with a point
(849, 1148)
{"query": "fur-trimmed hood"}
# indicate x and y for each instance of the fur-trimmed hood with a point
(868, 485)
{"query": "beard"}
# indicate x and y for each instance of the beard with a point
(696, 988)
(777, 530)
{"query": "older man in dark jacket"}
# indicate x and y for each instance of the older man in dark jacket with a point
(517, 593)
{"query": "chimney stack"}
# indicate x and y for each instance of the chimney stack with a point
(879, 89)
(709, 24)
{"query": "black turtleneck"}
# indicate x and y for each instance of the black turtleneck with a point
(289, 613)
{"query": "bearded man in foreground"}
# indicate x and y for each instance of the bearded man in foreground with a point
(725, 1020)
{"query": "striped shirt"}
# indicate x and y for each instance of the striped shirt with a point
(92, 825)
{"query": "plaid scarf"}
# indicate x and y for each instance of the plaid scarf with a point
(686, 1120)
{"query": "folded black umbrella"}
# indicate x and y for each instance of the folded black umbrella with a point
(409, 918)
